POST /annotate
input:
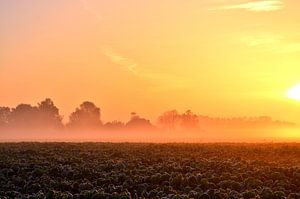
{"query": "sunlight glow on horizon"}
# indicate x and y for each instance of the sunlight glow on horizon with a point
(257, 6)
(294, 92)
(218, 58)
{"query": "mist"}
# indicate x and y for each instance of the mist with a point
(43, 122)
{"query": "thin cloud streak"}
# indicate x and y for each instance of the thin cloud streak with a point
(88, 8)
(260, 39)
(290, 48)
(270, 42)
(254, 6)
(163, 80)
(118, 59)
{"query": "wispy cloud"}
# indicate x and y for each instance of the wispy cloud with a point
(255, 6)
(270, 42)
(162, 80)
(260, 39)
(126, 63)
(289, 48)
(89, 9)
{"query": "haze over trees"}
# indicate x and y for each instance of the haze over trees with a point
(86, 115)
(49, 114)
(114, 125)
(5, 113)
(45, 116)
(25, 116)
(138, 122)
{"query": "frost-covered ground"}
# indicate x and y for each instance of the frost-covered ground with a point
(111, 170)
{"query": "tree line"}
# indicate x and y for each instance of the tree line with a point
(45, 115)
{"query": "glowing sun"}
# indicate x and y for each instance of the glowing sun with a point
(294, 92)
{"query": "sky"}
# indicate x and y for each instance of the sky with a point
(220, 58)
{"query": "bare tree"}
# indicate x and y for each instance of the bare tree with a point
(169, 120)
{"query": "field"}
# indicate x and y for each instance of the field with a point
(123, 170)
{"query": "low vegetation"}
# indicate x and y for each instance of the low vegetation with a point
(106, 170)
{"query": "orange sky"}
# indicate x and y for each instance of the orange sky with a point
(216, 57)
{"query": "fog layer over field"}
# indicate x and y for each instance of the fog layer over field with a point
(158, 136)
(43, 122)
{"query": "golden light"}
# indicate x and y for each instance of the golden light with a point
(294, 92)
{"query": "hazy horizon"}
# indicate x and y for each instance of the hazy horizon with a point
(150, 99)
(43, 122)
(220, 59)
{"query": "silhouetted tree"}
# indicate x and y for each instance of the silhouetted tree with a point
(189, 120)
(24, 116)
(169, 120)
(114, 125)
(5, 113)
(49, 114)
(86, 116)
(136, 122)
(172, 120)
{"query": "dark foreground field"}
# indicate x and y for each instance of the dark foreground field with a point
(104, 170)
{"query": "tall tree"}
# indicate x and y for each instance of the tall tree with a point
(49, 114)
(5, 113)
(24, 116)
(86, 116)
